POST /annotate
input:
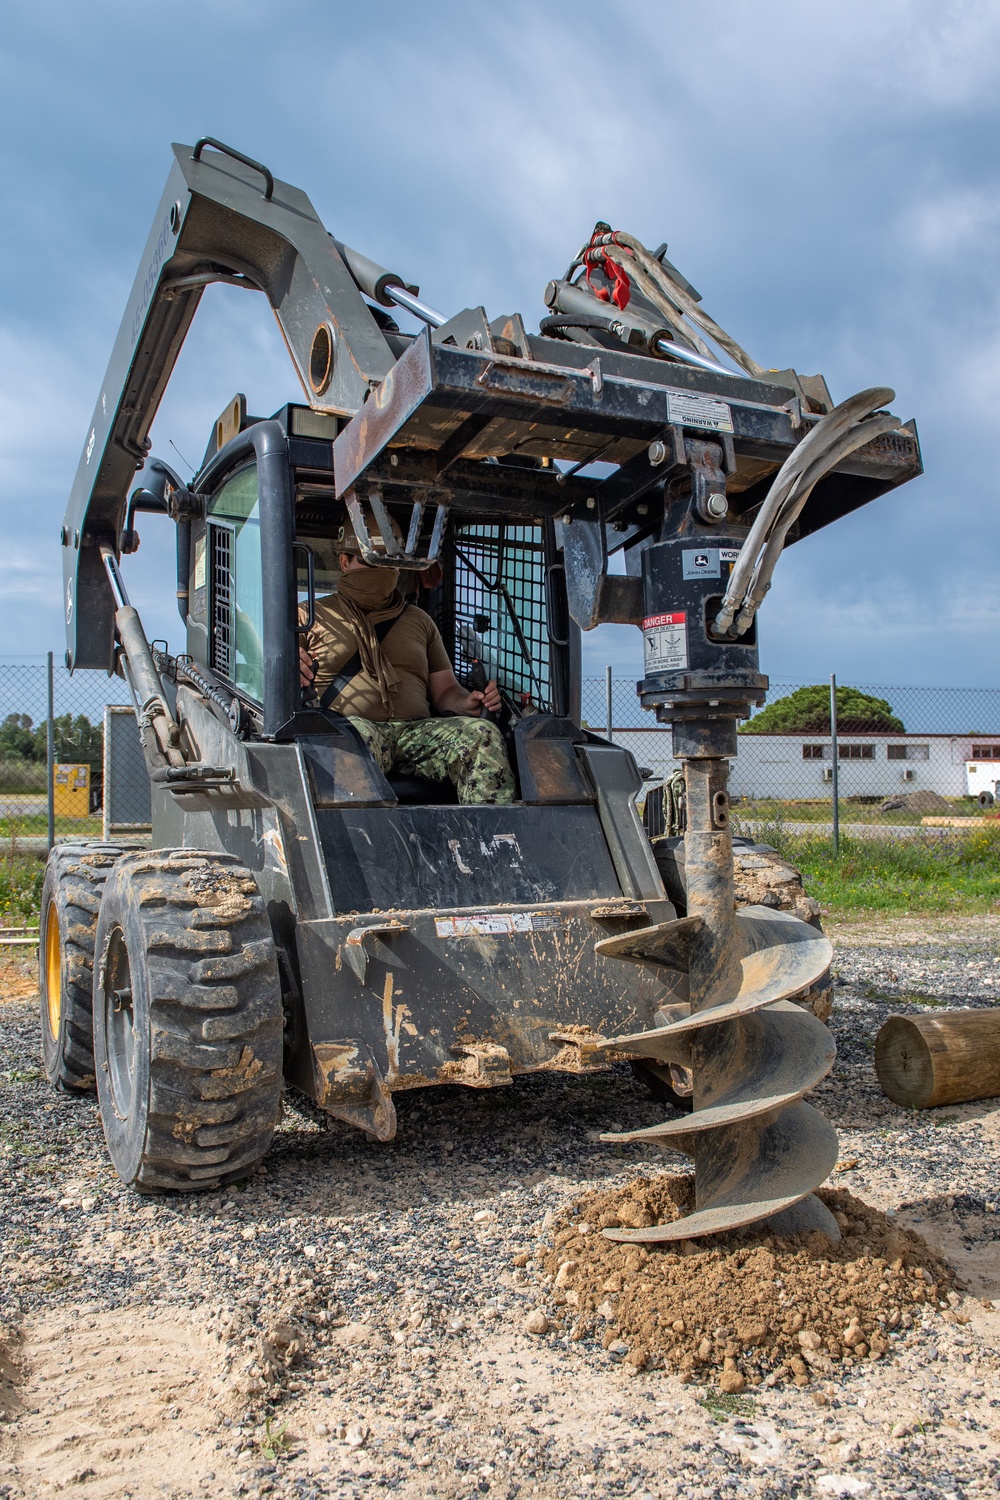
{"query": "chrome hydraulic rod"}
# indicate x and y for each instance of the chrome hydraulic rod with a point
(688, 357)
(414, 305)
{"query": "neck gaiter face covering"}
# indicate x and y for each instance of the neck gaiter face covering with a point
(369, 588)
(368, 596)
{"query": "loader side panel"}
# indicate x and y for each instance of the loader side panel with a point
(450, 857)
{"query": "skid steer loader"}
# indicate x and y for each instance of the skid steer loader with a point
(303, 920)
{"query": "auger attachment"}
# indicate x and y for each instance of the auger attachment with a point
(758, 1149)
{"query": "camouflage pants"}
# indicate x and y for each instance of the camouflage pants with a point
(468, 752)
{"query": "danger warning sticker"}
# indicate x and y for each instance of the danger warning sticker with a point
(665, 642)
(689, 410)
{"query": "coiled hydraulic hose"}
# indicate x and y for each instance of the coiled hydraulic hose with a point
(847, 427)
(678, 308)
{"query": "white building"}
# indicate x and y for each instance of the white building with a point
(800, 766)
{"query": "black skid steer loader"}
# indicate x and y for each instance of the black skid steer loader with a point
(303, 920)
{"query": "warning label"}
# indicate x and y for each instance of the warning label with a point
(665, 642)
(689, 410)
(496, 924)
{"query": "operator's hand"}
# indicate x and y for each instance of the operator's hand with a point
(489, 699)
(307, 668)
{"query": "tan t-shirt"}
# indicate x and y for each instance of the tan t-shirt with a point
(413, 646)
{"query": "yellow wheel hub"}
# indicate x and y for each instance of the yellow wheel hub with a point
(53, 969)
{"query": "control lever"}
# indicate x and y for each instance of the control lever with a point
(477, 684)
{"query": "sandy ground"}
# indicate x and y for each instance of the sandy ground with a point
(354, 1320)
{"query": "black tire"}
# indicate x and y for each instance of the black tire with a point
(985, 799)
(71, 898)
(187, 1021)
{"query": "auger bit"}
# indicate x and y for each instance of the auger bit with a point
(758, 1149)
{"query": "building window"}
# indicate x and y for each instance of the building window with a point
(815, 752)
(908, 752)
(856, 752)
(986, 752)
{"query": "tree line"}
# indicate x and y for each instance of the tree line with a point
(77, 740)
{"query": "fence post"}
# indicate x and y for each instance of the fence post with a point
(609, 731)
(50, 752)
(836, 765)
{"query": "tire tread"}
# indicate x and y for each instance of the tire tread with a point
(74, 882)
(215, 1017)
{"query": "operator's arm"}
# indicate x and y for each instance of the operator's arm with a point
(448, 695)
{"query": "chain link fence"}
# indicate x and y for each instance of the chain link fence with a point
(56, 733)
(896, 761)
(890, 761)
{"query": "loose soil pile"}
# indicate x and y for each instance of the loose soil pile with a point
(745, 1307)
(18, 975)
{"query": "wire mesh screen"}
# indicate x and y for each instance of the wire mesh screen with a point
(222, 602)
(500, 609)
(78, 755)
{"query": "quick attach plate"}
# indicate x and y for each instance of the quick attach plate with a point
(441, 411)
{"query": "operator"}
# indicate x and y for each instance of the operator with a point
(382, 663)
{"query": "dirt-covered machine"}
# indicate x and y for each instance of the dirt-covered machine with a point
(301, 919)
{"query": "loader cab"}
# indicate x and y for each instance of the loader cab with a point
(264, 545)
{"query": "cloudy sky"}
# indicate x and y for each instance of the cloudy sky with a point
(826, 176)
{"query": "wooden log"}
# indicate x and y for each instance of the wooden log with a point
(951, 1057)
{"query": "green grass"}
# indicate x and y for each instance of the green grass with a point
(273, 1441)
(897, 876)
(21, 877)
(35, 825)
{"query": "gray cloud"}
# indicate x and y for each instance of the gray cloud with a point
(828, 179)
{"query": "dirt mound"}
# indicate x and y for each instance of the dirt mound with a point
(763, 878)
(10, 1370)
(922, 802)
(746, 1306)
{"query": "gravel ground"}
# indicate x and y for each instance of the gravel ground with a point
(354, 1319)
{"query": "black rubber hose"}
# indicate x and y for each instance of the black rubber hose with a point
(580, 320)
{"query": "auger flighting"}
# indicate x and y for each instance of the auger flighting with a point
(758, 1149)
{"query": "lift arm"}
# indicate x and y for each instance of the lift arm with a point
(222, 217)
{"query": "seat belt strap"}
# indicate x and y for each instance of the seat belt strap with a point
(352, 666)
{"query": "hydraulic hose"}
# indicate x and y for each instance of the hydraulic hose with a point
(667, 295)
(596, 320)
(840, 432)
